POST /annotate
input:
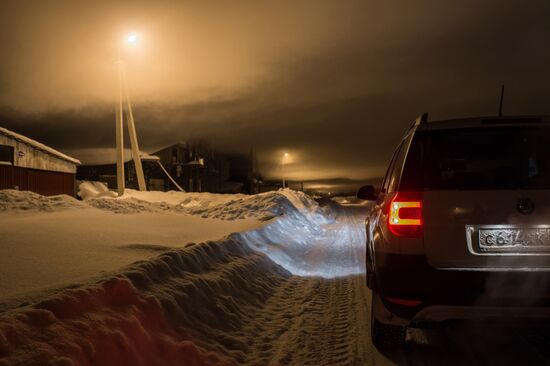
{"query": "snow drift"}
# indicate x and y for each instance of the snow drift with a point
(190, 306)
(183, 307)
(94, 189)
(263, 206)
(12, 201)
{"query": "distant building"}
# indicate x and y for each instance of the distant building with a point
(197, 168)
(106, 173)
(28, 165)
(193, 166)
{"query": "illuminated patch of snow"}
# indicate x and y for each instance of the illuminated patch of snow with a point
(311, 242)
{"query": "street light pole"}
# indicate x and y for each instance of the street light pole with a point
(123, 91)
(283, 168)
(120, 136)
(133, 136)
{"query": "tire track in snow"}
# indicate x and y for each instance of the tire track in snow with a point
(309, 322)
(318, 321)
(273, 321)
(315, 321)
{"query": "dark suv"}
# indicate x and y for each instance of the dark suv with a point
(461, 225)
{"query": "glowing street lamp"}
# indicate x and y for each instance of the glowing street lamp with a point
(123, 92)
(283, 161)
(132, 38)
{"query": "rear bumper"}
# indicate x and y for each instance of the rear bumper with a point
(431, 314)
(411, 289)
(442, 313)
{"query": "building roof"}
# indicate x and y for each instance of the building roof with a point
(37, 145)
(147, 157)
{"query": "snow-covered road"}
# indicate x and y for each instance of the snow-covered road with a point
(312, 322)
(289, 293)
(326, 321)
(319, 319)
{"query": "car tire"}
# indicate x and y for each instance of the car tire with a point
(387, 337)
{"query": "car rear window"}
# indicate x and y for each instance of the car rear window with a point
(493, 158)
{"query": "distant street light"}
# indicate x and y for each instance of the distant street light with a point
(285, 156)
(123, 91)
(132, 38)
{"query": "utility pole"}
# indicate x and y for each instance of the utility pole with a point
(133, 138)
(120, 137)
(123, 92)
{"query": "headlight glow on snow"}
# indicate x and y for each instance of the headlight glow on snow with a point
(313, 244)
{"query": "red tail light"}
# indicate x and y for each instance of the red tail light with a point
(405, 215)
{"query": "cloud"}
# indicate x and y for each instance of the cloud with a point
(335, 84)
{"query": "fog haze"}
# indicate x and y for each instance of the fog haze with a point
(335, 84)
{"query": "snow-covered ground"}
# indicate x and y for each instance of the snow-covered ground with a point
(47, 243)
(287, 289)
(182, 304)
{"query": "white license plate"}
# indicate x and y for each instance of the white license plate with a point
(514, 239)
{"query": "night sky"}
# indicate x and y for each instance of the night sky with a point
(335, 84)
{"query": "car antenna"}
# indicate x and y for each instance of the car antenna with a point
(501, 98)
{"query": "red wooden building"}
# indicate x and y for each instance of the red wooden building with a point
(28, 165)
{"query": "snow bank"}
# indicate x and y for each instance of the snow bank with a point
(183, 307)
(262, 206)
(20, 201)
(177, 197)
(41, 252)
(88, 190)
(304, 237)
(313, 241)
(206, 205)
(288, 226)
